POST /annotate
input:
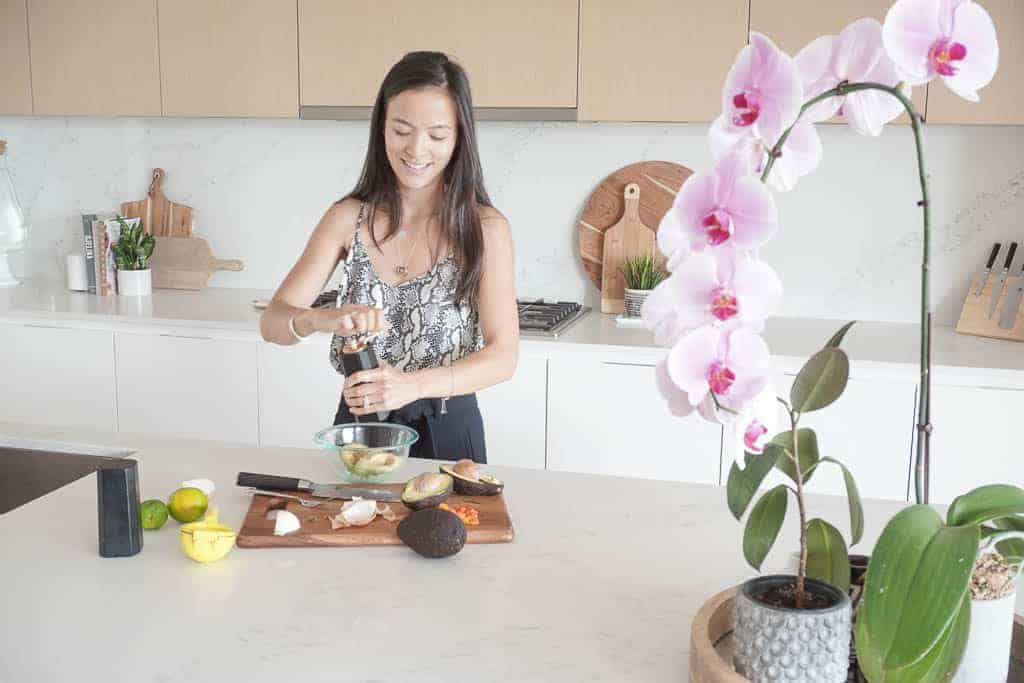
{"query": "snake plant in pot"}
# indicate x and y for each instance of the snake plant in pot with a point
(131, 255)
(640, 274)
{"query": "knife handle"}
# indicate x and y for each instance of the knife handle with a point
(1009, 255)
(992, 256)
(268, 482)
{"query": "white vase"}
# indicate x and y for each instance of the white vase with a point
(987, 655)
(634, 301)
(135, 282)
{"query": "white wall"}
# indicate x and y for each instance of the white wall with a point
(848, 248)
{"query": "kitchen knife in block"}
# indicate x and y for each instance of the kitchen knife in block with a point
(160, 217)
(186, 263)
(624, 240)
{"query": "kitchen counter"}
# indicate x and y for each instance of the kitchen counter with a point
(600, 584)
(877, 348)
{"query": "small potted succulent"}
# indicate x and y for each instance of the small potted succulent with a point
(640, 274)
(131, 255)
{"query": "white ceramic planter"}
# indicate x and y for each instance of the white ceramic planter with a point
(135, 282)
(987, 656)
(634, 301)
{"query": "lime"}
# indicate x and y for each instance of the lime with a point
(153, 514)
(187, 504)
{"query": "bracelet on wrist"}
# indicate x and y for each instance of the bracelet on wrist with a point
(295, 333)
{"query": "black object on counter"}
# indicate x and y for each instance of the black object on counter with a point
(364, 358)
(117, 494)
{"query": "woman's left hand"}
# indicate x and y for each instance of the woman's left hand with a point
(380, 389)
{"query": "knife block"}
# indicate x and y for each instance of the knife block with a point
(974, 318)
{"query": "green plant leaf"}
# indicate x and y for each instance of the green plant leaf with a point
(854, 502)
(1012, 549)
(941, 662)
(763, 525)
(807, 447)
(820, 381)
(837, 338)
(742, 484)
(986, 503)
(827, 559)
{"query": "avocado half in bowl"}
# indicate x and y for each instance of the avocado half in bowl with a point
(470, 482)
(427, 490)
(367, 451)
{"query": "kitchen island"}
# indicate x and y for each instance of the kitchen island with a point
(600, 583)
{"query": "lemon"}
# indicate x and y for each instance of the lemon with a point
(153, 514)
(187, 504)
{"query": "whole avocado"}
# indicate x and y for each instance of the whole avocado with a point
(433, 532)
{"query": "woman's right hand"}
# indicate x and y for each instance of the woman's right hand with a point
(346, 321)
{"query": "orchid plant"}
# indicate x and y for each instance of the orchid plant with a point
(711, 309)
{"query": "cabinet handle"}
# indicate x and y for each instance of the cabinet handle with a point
(627, 365)
(184, 336)
(44, 327)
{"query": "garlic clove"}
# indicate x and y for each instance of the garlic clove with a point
(204, 485)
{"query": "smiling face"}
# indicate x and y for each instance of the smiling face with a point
(420, 134)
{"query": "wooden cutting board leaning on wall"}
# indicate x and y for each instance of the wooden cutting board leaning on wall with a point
(160, 217)
(657, 184)
(186, 263)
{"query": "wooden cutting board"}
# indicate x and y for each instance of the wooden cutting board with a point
(659, 182)
(625, 240)
(160, 217)
(258, 531)
(186, 263)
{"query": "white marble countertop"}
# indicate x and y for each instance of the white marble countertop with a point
(601, 583)
(874, 347)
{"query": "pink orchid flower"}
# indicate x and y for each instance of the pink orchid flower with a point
(660, 314)
(677, 399)
(756, 426)
(952, 39)
(724, 287)
(762, 94)
(800, 154)
(732, 365)
(725, 206)
(855, 55)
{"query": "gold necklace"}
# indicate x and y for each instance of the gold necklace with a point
(402, 269)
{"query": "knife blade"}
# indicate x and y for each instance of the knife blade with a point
(270, 482)
(983, 275)
(997, 288)
(1008, 315)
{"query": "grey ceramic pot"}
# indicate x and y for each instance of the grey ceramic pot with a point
(778, 644)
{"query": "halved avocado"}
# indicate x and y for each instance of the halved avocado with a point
(469, 481)
(427, 490)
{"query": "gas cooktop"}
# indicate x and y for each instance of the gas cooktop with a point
(548, 319)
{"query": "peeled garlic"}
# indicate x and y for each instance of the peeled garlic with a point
(285, 522)
(204, 485)
(356, 512)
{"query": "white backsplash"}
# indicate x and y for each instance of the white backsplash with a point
(848, 247)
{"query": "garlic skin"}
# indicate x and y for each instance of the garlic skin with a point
(285, 522)
(204, 485)
(356, 512)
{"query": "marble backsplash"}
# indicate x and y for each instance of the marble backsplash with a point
(848, 246)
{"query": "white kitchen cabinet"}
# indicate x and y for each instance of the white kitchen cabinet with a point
(869, 429)
(187, 386)
(607, 417)
(974, 441)
(57, 376)
(299, 392)
(515, 417)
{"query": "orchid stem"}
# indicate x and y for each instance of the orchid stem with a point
(922, 464)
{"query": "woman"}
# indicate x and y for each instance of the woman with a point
(428, 268)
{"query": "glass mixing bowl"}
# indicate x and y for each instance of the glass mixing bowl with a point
(367, 451)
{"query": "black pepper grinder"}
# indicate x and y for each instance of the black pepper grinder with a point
(117, 495)
(356, 356)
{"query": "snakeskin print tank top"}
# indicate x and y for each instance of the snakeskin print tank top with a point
(425, 327)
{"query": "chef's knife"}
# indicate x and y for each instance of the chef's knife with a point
(983, 275)
(270, 482)
(1008, 316)
(997, 288)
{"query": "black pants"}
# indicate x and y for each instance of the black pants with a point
(452, 436)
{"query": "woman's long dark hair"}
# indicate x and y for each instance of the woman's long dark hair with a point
(464, 183)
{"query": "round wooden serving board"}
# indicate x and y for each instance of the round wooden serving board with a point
(659, 182)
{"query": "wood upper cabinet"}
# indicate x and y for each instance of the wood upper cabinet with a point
(517, 54)
(793, 24)
(229, 58)
(657, 60)
(94, 57)
(1002, 100)
(15, 81)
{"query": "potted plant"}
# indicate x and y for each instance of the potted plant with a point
(936, 600)
(131, 255)
(711, 308)
(640, 274)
